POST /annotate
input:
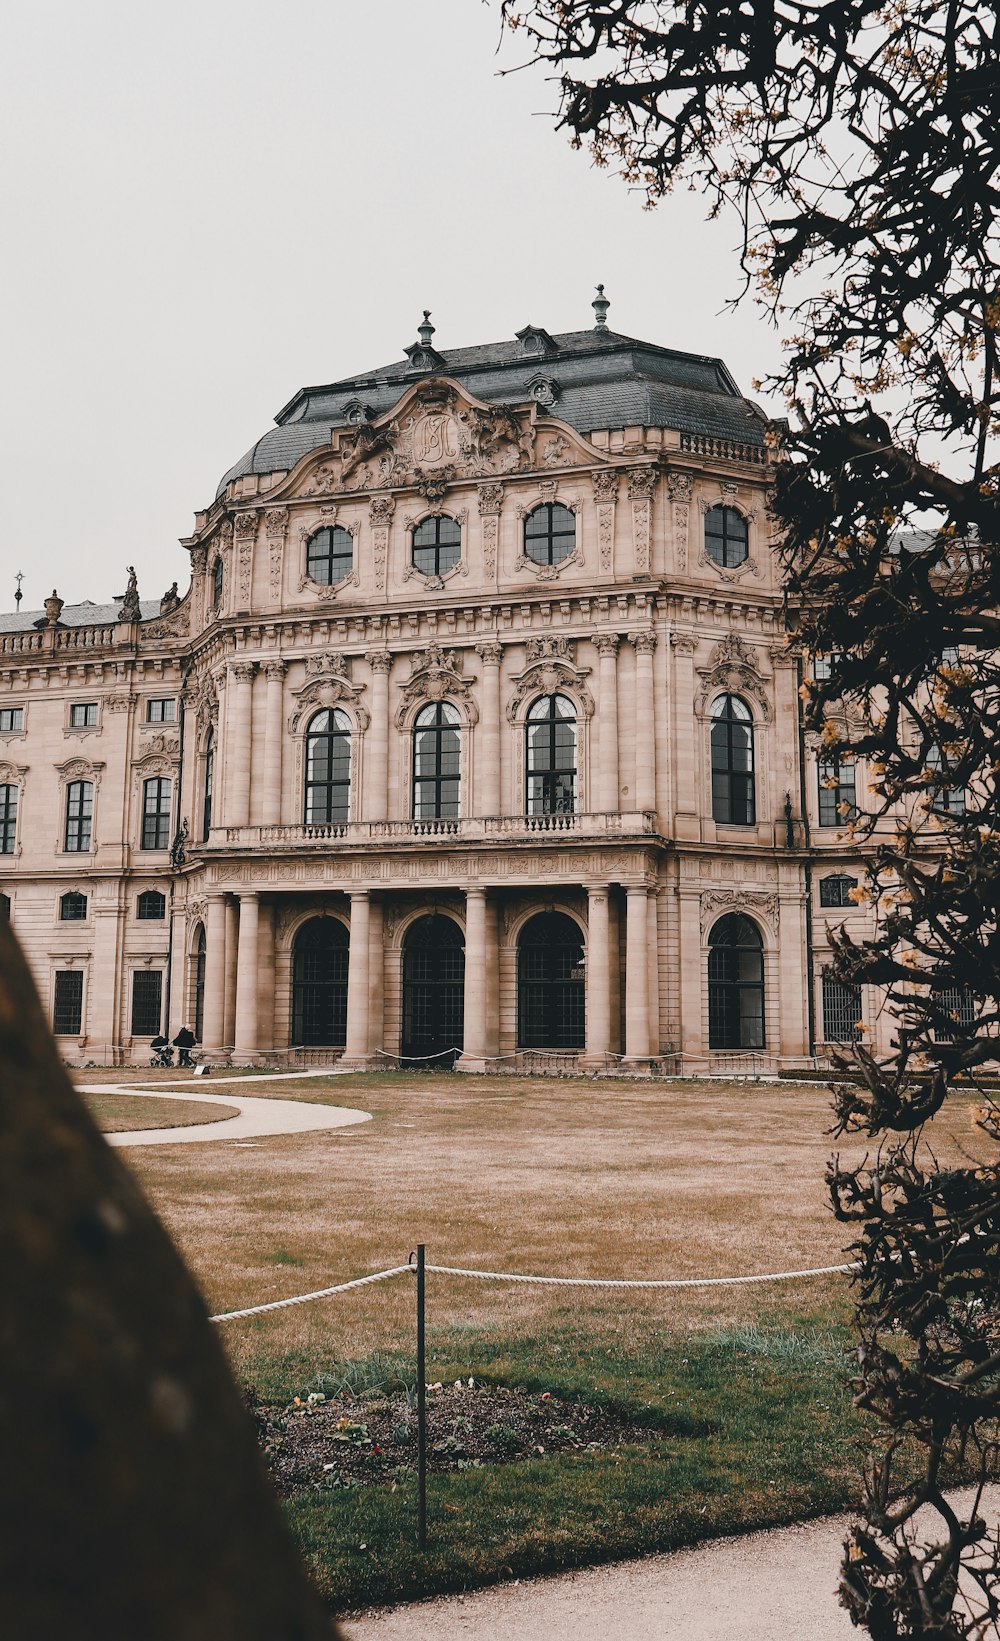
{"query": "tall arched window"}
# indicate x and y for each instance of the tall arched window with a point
(726, 540)
(8, 819)
(209, 783)
(549, 533)
(217, 576)
(330, 555)
(550, 983)
(79, 816)
(550, 757)
(156, 799)
(735, 984)
(437, 755)
(437, 545)
(199, 983)
(328, 768)
(319, 984)
(733, 802)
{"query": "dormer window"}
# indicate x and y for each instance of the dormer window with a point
(534, 340)
(544, 390)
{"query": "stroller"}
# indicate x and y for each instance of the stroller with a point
(163, 1054)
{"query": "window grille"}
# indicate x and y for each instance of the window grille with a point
(946, 800)
(328, 768)
(83, 715)
(551, 984)
(11, 720)
(147, 1002)
(156, 813)
(162, 710)
(67, 1006)
(841, 1011)
(209, 777)
(956, 1001)
(217, 583)
(735, 984)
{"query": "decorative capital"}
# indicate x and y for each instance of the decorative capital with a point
(489, 653)
(379, 660)
(276, 521)
(242, 671)
(644, 643)
(381, 509)
(605, 482)
(680, 486)
(274, 668)
(246, 525)
(490, 499)
(606, 643)
(641, 483)
(199, 558)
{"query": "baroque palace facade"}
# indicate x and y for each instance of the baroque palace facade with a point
(475, 730)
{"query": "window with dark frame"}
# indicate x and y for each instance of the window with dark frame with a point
(735, 984)
(437, 545)
(727, 542)
(147, 1002)
(551, 983)
(437, 762)
(945, 800)
(83, 715)
(330, 555)
(835, 890)
(151, 907)
(837, 791)
(550, 757)
(217, 582)
(734, 800)
(79, 816)
(199, 984)
(208, 778)
(328, 769)
(5, 908)
(549, 533)
(72, 907)
(8, 819)
(11, 720)
(841, 1010)
(161, 710)
(156, 812)
(67, 1003)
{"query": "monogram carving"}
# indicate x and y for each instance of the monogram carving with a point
(435, 435)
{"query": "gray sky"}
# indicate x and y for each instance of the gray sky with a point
(208, 205)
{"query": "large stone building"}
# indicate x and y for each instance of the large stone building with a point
(476, 729)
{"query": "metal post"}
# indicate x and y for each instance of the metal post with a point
(421, 1408)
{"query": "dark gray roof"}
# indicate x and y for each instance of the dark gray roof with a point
(86, 614)
(605, 382)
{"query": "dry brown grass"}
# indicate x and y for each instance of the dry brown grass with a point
(124, 1113)
(575, 1177)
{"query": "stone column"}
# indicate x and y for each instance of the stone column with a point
(265, 972)
(474, 1024)
(644, 644)
(376, 771)
(653, 920)
(636, 973)
(274, 672)
(376, 975)
(357, 1051)
(606, 644)
(232, 935)
(684, 742)
(215, 972)
(246, 976)
(488, 732)
(239, 746)
(598, 975)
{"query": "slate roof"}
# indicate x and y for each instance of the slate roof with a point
(85, 614)
(606, 382)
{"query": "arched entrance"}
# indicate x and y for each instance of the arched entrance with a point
(319, 984)
(200, 951)
(735, 984)
(433, 988)
(551, 1006)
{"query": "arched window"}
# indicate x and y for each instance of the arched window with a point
(437, 545)
(151, 906)
(550, 757)
(330, 555)
(328, 768)
(79, 816)
(8, 819)
(733, 802)
(735, 984)
(550, 983)
(156, 813)
(835, 890)
(437, 756)
(209, 782)
(549, 533)
(72, 907)
(319, 984)
(217, 577)
(726, 540)
(433, 990)
(200, 952)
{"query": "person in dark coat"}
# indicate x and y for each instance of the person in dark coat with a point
(185, 1041)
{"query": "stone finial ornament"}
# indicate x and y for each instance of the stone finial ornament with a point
(600, 305)
(170, 599)
(426, 330)
(53, 609)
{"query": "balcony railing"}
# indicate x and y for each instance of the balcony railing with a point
(472, 829)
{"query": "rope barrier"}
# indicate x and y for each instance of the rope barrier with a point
(320, 1293)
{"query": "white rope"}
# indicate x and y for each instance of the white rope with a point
(624, 1282)
(320, 1293)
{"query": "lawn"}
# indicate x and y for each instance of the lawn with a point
(629, 1179)
(121, 1113)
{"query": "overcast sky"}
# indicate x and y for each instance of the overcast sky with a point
(207, 205)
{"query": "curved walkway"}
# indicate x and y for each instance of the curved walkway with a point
(256, 1117)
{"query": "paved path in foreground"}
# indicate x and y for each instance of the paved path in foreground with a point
(257, 1117)
(775, 1586)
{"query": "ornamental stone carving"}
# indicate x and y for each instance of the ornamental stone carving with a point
(379, 660)
(490, 498)
(490, 654)
(644, 643)
(641, 482)
(436, 675)
(245, 526)
(327, 685)
(605, 482)
(606, 643)
(717, 902)
(549, 668)
(434, 436)
(732, 667)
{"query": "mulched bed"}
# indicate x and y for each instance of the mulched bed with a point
(320, 1443)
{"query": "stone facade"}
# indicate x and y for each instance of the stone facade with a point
(294, 806)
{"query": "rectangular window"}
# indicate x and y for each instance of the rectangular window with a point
(8, 819)
(823, 665)
(79, 815)
(147, 1002)
(83, 715)
(11, 720)
(67, 1008)
(836, 890)
(955, 1001)
(156, 813)
(841, 1011)
(161, 711)
(837, 792)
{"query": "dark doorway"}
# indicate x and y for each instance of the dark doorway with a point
(735, 984)
(199, 984)
(433, 990)
(319, 984)
(551, 1005)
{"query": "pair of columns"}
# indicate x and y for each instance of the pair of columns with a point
(239, 745)
(642, 1030)
(644, 789)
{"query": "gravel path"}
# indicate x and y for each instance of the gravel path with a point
(257, 1117)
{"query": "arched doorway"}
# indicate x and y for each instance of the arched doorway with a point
(319, 984)
(433, 988)
(735, 984)
(551, 1006)
(199, 983)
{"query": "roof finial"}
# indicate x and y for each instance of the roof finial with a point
(600, 306)
(18, 595)
(426, 330)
